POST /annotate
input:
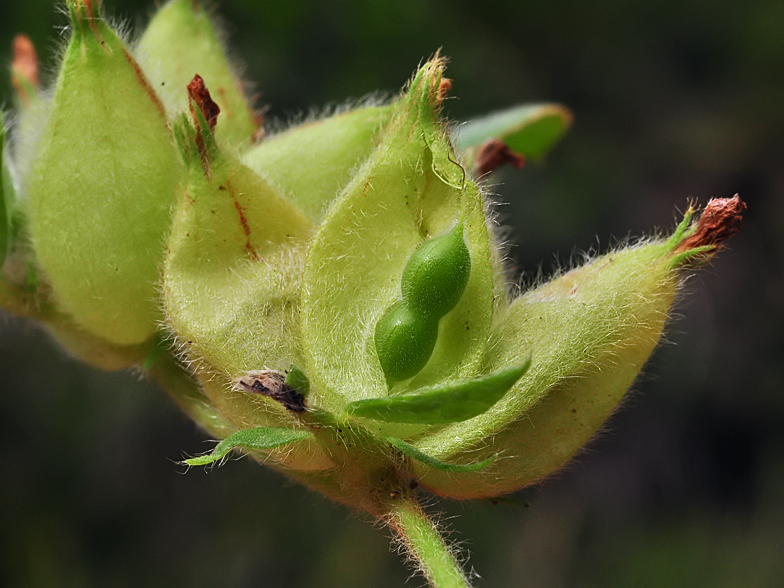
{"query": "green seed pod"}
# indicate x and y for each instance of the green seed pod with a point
(102, 184)
(408, 189)
(590, 331)
(436, 275)
(404, 341)
(181, 41)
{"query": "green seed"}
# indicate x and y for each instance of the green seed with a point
(404, 341)
(436, 275)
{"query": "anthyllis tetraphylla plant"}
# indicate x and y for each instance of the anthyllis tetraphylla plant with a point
(331, 299)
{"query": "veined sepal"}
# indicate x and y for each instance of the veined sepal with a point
(231, 277)
(410, 188)
(309, 164)
(590, 331)
(101, 186)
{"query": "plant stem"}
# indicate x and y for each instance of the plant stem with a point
(425, 544)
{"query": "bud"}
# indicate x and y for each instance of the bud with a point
(102, 184)
(32, 106)
(24, 71)
(180, 41)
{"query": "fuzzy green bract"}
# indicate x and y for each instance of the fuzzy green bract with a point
(311, 163)
(408, 190)
(106, 156)
(181, 41)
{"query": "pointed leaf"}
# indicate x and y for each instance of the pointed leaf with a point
(530, 129)
(449, 403)
(260, 438)
(414, 453)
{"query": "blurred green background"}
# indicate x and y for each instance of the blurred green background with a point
(672, 100)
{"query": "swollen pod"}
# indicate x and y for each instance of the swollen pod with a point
(102, 184)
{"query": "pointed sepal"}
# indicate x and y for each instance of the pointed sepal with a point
(442, 404)
(102, 184)
(451, 468)
(258, 439)
(409, 190)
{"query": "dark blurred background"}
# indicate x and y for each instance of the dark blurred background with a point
(673, 100)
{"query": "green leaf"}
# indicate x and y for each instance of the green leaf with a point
(297, 380)
(414, 453)
(260, 438)
(529, 129)
(449, 403)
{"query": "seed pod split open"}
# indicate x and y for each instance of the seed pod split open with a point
(410, 189)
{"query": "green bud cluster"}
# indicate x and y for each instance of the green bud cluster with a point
(309, 298)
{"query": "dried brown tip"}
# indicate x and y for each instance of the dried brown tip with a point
(25, 62)
(493, 154)
(443, 88)
(200, 98)
(720, 220)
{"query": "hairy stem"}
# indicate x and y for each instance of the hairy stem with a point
(425, 545)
